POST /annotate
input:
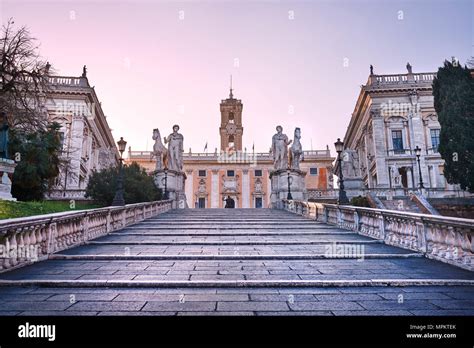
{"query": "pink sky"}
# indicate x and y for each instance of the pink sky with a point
(148, 65)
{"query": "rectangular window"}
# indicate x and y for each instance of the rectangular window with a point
(202, 173)
(230, 173)
(397, 141)
(313, 171)
(434, 139)
(258, 172)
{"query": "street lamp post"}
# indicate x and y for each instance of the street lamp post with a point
(418, 154)
(342, 194)
(289, 197)
(118, 199)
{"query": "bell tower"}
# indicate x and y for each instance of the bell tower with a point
(231, 129)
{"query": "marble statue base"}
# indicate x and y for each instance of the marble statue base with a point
(7, 167)
(279, 183)
(353, 183)
(174, 186)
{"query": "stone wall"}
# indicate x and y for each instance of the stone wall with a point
(455, 207)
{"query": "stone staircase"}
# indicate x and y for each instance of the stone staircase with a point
(236, 262)
(401, 204)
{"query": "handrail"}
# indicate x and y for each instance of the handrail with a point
(29, 239)
(444, 238)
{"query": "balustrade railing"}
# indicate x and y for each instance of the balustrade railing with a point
(443, 238)
(29, 239)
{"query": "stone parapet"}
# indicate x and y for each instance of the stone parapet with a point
(446, 239)
(30, 239)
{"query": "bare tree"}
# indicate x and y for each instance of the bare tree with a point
(24, 78)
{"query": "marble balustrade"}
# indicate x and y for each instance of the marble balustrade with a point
(443, 238)
(29, 239)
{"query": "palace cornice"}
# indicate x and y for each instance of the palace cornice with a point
(401, 85)
(80, 86)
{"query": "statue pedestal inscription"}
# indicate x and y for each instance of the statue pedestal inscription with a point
(279, 182)
(7, 167)
(174, 182)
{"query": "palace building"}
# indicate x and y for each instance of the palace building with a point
(87, 141)
(233, 172)
(394, 115)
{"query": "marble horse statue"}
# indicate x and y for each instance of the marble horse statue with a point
(159, 151)
(296, 151)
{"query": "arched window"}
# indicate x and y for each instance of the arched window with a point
(231, 116)
(231, 141)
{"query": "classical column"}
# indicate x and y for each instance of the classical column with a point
(214, 188)
(75, 151)
(378, 127)
(245, 189)
(188, 188)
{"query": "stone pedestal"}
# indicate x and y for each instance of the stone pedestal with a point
(279, 183)
(7, 167)
(353, 184)
(174, 186)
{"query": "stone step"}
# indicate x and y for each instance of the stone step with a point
(286, 242)
(231, 222)
(238, 283)
(234, 257)
(228, 228)
(234, 249)
(188, 233)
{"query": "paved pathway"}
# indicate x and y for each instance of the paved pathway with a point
(236, 262)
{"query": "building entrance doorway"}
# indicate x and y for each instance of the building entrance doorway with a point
(258, 202)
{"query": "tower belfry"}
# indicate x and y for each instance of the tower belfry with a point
(231, 129)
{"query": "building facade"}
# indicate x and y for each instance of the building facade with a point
(233, 171)
(87, 141)
(393, 115)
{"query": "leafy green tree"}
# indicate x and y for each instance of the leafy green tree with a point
(138, 185)
(453, 91)
(38, 162)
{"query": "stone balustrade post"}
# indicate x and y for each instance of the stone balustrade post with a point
(51, 241)
(382, 234)
(123, 216)
(85, 228)
(356, 221)
(108, 219)
(421, 236)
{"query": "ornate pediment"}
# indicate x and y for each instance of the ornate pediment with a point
(202, 187)
(230, 184)
(258, 186)
(430, 118)
(396, 119)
